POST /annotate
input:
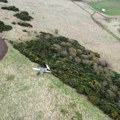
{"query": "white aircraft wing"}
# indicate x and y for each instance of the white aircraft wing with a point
(37, 69)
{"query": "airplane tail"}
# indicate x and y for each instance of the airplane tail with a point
(47, 67)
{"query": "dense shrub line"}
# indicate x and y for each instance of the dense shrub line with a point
(4, 27)
(11, 8)
(77, 67)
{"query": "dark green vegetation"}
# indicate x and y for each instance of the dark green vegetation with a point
(11, 8)
(77, 67)
(23, 15)
(24, 24)
(5, 1)
(4, 27)
(112, 6)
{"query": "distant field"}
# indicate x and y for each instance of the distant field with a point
(112, 6)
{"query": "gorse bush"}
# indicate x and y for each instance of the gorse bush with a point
(25, 31)
(11, 8)
(24, 24)
(4, 27)
(5, 1)
(77, 67)
(14, 23)
(23, 15)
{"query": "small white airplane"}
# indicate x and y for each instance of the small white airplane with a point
(42, 70)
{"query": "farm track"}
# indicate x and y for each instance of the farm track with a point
(92, 13)
(97, 22)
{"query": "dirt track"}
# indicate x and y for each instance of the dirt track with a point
(71, 21)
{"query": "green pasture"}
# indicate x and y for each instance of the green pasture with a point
(112, 6)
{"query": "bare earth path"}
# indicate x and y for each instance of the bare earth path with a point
(70, 20)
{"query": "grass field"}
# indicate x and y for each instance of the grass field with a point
(112, 6)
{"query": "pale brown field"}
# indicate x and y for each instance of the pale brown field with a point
(70, 20)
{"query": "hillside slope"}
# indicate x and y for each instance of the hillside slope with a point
(26, 96)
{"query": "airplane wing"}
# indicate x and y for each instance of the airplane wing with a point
(37, 69)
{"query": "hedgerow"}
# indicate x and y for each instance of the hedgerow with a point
(4, 27)
(77, 67)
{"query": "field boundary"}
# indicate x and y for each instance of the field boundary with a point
(102, 26)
